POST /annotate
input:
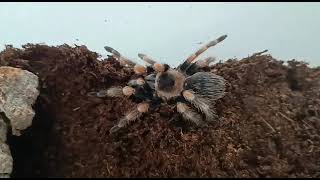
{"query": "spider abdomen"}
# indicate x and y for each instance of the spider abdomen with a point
(207, 85)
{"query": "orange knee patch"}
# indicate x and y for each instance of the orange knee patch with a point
(188, 95)
(158, 67)
(181, 107)
(128, 91)
(143, 107)
(139, 69)
(140, 81)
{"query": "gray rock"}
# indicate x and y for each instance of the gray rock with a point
(18, 92)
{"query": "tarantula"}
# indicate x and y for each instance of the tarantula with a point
(186, 86)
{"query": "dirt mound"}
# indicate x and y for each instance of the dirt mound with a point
(269, 122)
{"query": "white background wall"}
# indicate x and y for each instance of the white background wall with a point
(167, 31)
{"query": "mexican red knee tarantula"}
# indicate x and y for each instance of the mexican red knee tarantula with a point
(186, 86)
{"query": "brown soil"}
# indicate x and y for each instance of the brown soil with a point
(269, 122)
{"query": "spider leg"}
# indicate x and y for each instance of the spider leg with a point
(201, 103)
(146, 59)
(138, 69)
(151, 79)
(136, 82)
(205, 62)
(131, 116)
(123, 60)
(193, 56)
(158, 67)
(115, 91)
(198, 65)
(189, 114)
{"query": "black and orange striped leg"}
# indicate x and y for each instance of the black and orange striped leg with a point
(131, 116)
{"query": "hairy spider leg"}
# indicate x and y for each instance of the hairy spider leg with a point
(131, 116)
(205, 62)
(203, 104)
(123, 60)
(115, 91)
(147, 59)
(137, 82)
(182, 67)
(189, 114)
(199, 65)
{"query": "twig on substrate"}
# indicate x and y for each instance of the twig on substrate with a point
(269, 125)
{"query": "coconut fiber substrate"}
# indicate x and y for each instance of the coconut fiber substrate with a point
(269, 122)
